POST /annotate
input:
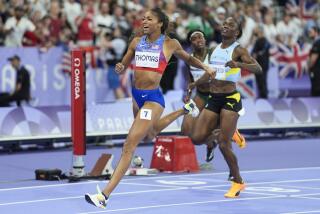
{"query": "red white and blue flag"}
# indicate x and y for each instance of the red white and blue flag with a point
(247, 84)
(90, 58)
(291, 61)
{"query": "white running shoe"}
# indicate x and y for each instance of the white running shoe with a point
(98, 200)
(191, 108)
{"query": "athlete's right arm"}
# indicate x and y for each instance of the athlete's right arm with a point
(182, 54)
(205, 78)
(126, 60)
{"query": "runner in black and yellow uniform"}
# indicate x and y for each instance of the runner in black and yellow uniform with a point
(224, 104)
(200, 51)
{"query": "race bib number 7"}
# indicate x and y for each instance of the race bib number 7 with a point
(145, 114)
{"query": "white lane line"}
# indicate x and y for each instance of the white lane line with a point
(77, 197)
(305, 197)
(47, 186)
(244, 192)
(309, 194)
(298, 187)
(227, 173)
(208, 179)
(168, 176)
(267, 182)
(184, 204)
(151, 185)
(302, 212)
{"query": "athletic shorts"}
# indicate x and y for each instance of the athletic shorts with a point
(227, 101)
(203, 95)
(142, 96)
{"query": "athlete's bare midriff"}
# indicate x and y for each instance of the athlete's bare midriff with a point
(146, 79)
(204, 87)
(222, 86)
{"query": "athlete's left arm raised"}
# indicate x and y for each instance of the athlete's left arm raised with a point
(246, 62)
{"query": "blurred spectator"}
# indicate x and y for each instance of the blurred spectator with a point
(134, 5)
(297, 24)
(170, 9)
(72, 9)
(41, 6)
(289, 29)
(49, 23)
(4, 13)
(2, 35)
(34, 38)
(261, 53)
(230, 6)
(182, 25)
(256, 13)
(22, 88)
(192, 6)
(103, 21)
(31, 38)
(219, 19)
(269, 27)
(16, 26)
(314, 61)
(248, 26)
(266, 3)
(113, 47)
(66, 38)
(56, 23)
(85, 25)
(120, 21)
(204, 22)
(44, 28)
(35, 16)
(134, 19)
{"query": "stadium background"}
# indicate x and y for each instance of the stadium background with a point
(102, 28)
(280, 163)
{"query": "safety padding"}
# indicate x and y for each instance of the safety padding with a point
(174, 153)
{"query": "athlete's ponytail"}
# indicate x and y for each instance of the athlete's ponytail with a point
(162, 17)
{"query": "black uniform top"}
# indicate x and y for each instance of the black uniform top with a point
(316, 49)
(23, 78)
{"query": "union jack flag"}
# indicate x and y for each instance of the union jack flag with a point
(291, 61)
(247, 84)
(306, 8)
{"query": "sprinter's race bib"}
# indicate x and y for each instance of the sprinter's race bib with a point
(147, 59)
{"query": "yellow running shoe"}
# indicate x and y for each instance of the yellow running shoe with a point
(239, 139)
(234, 190)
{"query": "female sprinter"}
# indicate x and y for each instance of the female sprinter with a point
(151, 53)
(201, 52)
(224, 103)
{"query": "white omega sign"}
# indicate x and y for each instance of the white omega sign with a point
(77, 78)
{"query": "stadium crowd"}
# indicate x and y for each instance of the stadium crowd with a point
(106, 24)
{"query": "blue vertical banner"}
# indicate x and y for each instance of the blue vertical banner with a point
(50, 85)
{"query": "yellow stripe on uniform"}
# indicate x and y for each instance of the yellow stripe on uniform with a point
(232, 71)
(235, 96)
